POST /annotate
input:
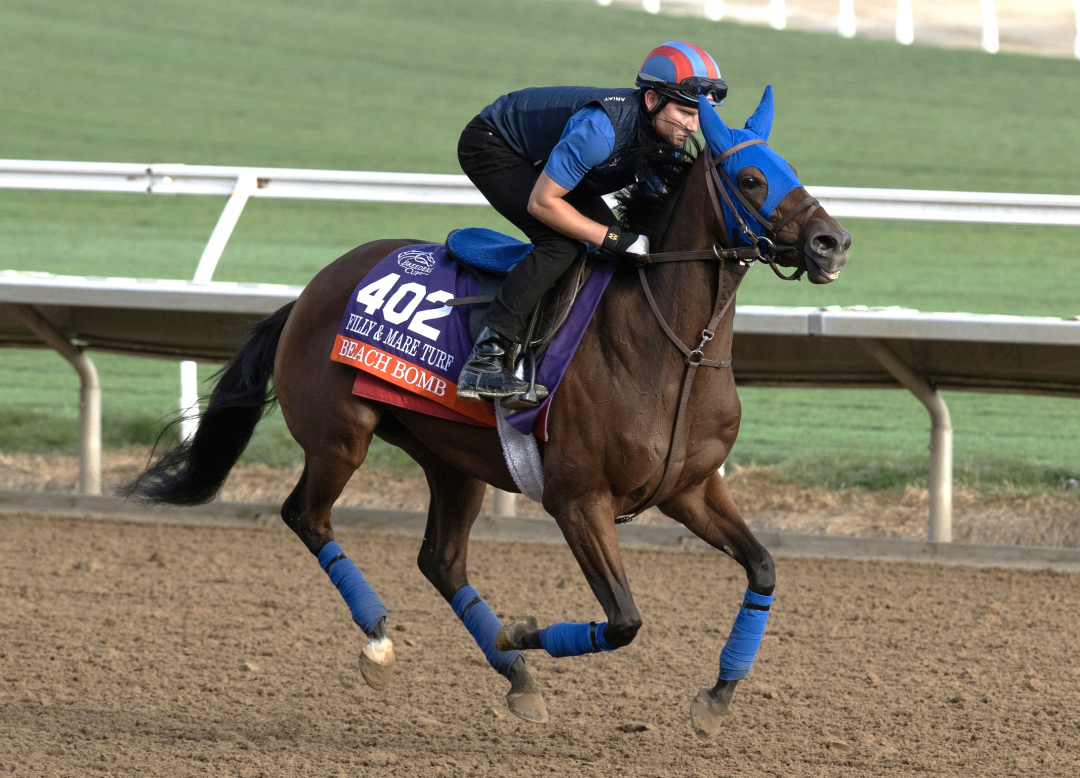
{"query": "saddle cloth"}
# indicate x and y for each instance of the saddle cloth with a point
(409, 346)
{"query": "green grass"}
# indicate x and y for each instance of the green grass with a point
(388, 84)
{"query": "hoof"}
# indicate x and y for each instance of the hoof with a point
(512, 636)
(707, 711)
(528, 705)
(524, 698)
(377, 663)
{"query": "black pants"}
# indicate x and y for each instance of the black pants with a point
(507, 179)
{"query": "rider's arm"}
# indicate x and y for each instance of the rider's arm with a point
(587, 140)
(546, 203)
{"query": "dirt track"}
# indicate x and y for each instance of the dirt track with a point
(160, 650)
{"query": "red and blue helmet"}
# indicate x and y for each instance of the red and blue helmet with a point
(682, 71)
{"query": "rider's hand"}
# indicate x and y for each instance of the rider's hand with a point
(625, 242)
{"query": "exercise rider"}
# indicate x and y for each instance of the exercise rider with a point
(544, 156)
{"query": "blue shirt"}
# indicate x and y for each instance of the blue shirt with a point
(587, 140)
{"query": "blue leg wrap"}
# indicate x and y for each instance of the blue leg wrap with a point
(364, 604)
(574, 639)
(737, 656)
(483, 625)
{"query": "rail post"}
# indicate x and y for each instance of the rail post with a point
(990, 42)
(777, 14)
(1076, 14)
(651, 6)
(845, 22)
(89, 393)
(246, 184)
(905, 23)
(941, 441)
(714, 10)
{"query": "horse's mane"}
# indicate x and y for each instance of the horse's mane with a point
(661, 171)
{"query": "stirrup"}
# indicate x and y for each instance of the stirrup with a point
(530, 398)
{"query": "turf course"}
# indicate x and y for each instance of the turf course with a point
(388, 85)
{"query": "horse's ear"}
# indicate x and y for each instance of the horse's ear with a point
(716, 133)
(761, 122)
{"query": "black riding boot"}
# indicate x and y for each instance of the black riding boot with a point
(486, 374)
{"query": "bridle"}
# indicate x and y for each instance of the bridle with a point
(766, 244)
(762, 247)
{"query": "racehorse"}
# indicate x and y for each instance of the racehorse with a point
(641, 418)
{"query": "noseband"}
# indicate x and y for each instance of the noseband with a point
(762, 247)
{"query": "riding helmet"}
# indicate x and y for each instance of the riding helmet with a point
(681, 71)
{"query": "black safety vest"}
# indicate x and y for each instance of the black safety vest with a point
(531, 121)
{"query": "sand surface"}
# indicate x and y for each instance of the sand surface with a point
(162, 650)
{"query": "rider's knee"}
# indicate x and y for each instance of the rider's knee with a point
(618, 634)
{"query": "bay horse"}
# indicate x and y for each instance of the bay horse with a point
(640, 418)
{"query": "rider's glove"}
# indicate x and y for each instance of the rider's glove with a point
(625, 242)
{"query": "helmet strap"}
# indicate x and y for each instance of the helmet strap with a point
(658, 107)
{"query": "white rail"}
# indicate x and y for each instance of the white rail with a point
(242, 183)
(430, 189)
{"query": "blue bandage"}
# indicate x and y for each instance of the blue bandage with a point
(364, 604)
(574, 639)
(737, 656)
(483, 625)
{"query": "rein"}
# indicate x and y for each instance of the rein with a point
(763, 248)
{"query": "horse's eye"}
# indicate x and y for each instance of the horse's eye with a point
(749, 182)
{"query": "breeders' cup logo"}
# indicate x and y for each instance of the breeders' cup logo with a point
(416, 262)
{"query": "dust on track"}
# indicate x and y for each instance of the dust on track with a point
(167, 650)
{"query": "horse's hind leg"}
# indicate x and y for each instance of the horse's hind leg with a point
(708, 511)
(456, 499)
(331, 458)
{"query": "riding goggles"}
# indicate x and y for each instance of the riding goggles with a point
(713, 89)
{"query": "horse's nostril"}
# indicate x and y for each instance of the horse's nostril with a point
(825, 244)
(847, 240)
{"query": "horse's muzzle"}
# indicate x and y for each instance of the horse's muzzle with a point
(825, 250)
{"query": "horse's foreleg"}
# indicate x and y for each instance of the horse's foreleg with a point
(329, 465)
(589, 530)
(709, 512)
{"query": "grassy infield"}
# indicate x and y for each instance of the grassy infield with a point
(387, 85)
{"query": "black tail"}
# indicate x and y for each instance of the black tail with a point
(193, 472)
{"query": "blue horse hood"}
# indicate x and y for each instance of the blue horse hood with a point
(778, 173)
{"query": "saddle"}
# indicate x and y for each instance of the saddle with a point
(489, 256)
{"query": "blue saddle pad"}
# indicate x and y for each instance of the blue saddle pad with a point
(487, 249)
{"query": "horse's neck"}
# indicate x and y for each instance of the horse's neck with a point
(685, 291)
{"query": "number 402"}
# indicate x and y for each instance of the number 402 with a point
(403, 304)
